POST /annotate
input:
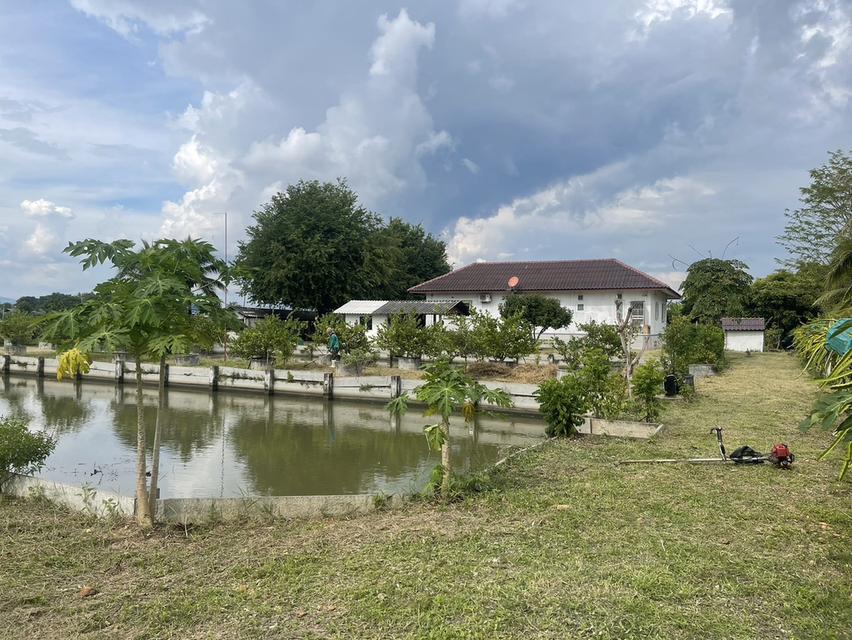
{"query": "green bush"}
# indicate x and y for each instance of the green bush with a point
(21, 451)
(601, 336)
(352, 336)
(270, 338)
(17, 328)
(563, 403)
(403, 336)
(685, 343)
(648, 381)
(606, 390)
(359, 358)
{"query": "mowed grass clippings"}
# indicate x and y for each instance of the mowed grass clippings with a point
(572, 545)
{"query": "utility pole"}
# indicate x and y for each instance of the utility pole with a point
(225, 343)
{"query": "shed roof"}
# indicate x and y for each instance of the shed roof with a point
(551, 275)
(361, 307)
(743, 324)
(417, 307)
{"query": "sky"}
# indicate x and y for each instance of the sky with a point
(653, 131)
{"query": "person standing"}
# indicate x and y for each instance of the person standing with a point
(334, 345)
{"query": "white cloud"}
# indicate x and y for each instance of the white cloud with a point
(557, 215)
(42, 241)
(126, 16)
(376, 136)
(470, 165)
(42, 208)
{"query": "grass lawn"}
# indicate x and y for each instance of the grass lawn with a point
(571, 546)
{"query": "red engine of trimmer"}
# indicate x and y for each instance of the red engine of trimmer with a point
(781, 456)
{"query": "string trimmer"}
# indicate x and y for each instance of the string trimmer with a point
(780, 455)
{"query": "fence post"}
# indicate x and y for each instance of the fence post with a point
(328, 385)
(165, 375)
(214, 377)
(269, 380)
(7, 363)
(395, 386)
(119, 371)
(40, 367)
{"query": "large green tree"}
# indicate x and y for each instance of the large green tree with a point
(715, 288)
(148, 309)
(812, 231)
(315, 247)
(786, 299)
(416, 256)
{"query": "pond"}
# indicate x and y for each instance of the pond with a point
(232, 444)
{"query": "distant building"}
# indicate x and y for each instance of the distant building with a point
(590, 289)
(375, 313)
(743, 334)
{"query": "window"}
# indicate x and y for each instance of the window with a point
(637, 313)
(580, 297)
(580, 306)
(366, 322)
(656, 311)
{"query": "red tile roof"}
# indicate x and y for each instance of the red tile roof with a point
(553, 275)
(743, 324)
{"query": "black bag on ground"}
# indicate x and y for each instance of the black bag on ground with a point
(745, 454)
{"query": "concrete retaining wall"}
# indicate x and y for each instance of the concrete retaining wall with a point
(86, 499)
(269, 381)
(200, 509)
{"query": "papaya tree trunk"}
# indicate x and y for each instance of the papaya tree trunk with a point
(143, 512)
(445, 461)
(155, 456)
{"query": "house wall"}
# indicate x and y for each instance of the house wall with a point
(597, 305)
(744, 340)
(378, 321)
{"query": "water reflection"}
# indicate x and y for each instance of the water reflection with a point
(232, 444)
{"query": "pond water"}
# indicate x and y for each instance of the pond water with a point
(229, 444)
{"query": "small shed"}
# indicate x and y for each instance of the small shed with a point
(375, 313)
(743, 334)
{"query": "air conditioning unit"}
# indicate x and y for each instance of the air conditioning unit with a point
(485, 297)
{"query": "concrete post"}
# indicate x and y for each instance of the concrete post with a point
(269, 380)
(214, 377)
(40, 367)
(395, 386)
(165, 375)
(328, 385)
(119, 371)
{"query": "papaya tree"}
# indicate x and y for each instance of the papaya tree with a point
(447, 391)
(149, 309)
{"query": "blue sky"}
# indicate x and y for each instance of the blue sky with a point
(645, 130)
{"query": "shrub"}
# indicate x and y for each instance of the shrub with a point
(437, 342)
(21, 451)
(352, 336)
(514, 339)
(403, 336)
(606, 390)
(685, 343)
(772, 338)
(601, 336)
(647, 385)
(562, 402)
(271, 337)
(358, 359)
(17, 328)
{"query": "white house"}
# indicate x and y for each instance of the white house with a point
(590, 289)
(375, 313)
(743, 334)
